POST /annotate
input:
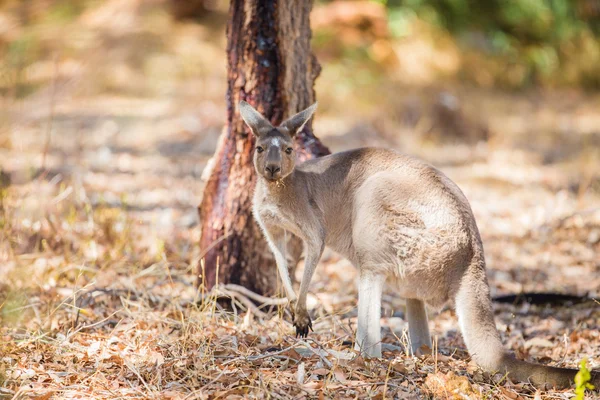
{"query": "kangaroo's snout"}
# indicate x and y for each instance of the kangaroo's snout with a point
(272, 170)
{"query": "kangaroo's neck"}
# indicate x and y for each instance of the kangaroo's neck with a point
(283, 190)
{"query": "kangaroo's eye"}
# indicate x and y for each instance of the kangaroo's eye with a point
(289, 150)
(260, 149)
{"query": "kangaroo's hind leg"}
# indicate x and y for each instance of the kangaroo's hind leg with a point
(368, 334)
(418, 328)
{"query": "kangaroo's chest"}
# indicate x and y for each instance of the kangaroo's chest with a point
(271, 214)
(276, 215)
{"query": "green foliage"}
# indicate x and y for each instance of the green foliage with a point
(530, 33)
(11, 307)
(65, 10)
(23, 49)
(582, 381)
(530, 21)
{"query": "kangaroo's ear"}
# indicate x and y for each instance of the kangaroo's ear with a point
(296, 123)
(257, 123)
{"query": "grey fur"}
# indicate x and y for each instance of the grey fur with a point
(395, 218)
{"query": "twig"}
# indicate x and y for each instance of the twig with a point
(376, 383)
(204, 386)
(266, 355)
(244, 300)
(273, 353)
(244, 296)
(271, 301)
(99, 323)
(318, 353)
(132, 369)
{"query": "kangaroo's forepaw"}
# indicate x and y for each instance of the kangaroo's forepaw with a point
(302, 323)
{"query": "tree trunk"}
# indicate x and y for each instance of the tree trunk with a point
(270, 65)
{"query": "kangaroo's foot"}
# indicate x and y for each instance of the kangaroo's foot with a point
(302, 321)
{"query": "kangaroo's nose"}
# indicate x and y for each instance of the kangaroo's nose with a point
(273, 169)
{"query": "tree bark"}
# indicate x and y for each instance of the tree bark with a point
(270, 65)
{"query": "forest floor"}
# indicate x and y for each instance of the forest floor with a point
(99, 238)
(99, 249)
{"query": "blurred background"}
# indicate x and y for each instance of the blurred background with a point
(109, 111)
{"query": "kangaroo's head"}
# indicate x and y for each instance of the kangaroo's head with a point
(274, 156)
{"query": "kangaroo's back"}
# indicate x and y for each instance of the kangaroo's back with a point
(363, 192)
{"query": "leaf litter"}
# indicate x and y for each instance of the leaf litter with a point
(98, 252)
(127, 323)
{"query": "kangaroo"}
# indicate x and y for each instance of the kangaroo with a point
(394, 218)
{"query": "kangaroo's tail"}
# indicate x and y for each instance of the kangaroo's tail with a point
(476, 319)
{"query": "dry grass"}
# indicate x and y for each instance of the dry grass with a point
(99, 183)
(97, 297)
